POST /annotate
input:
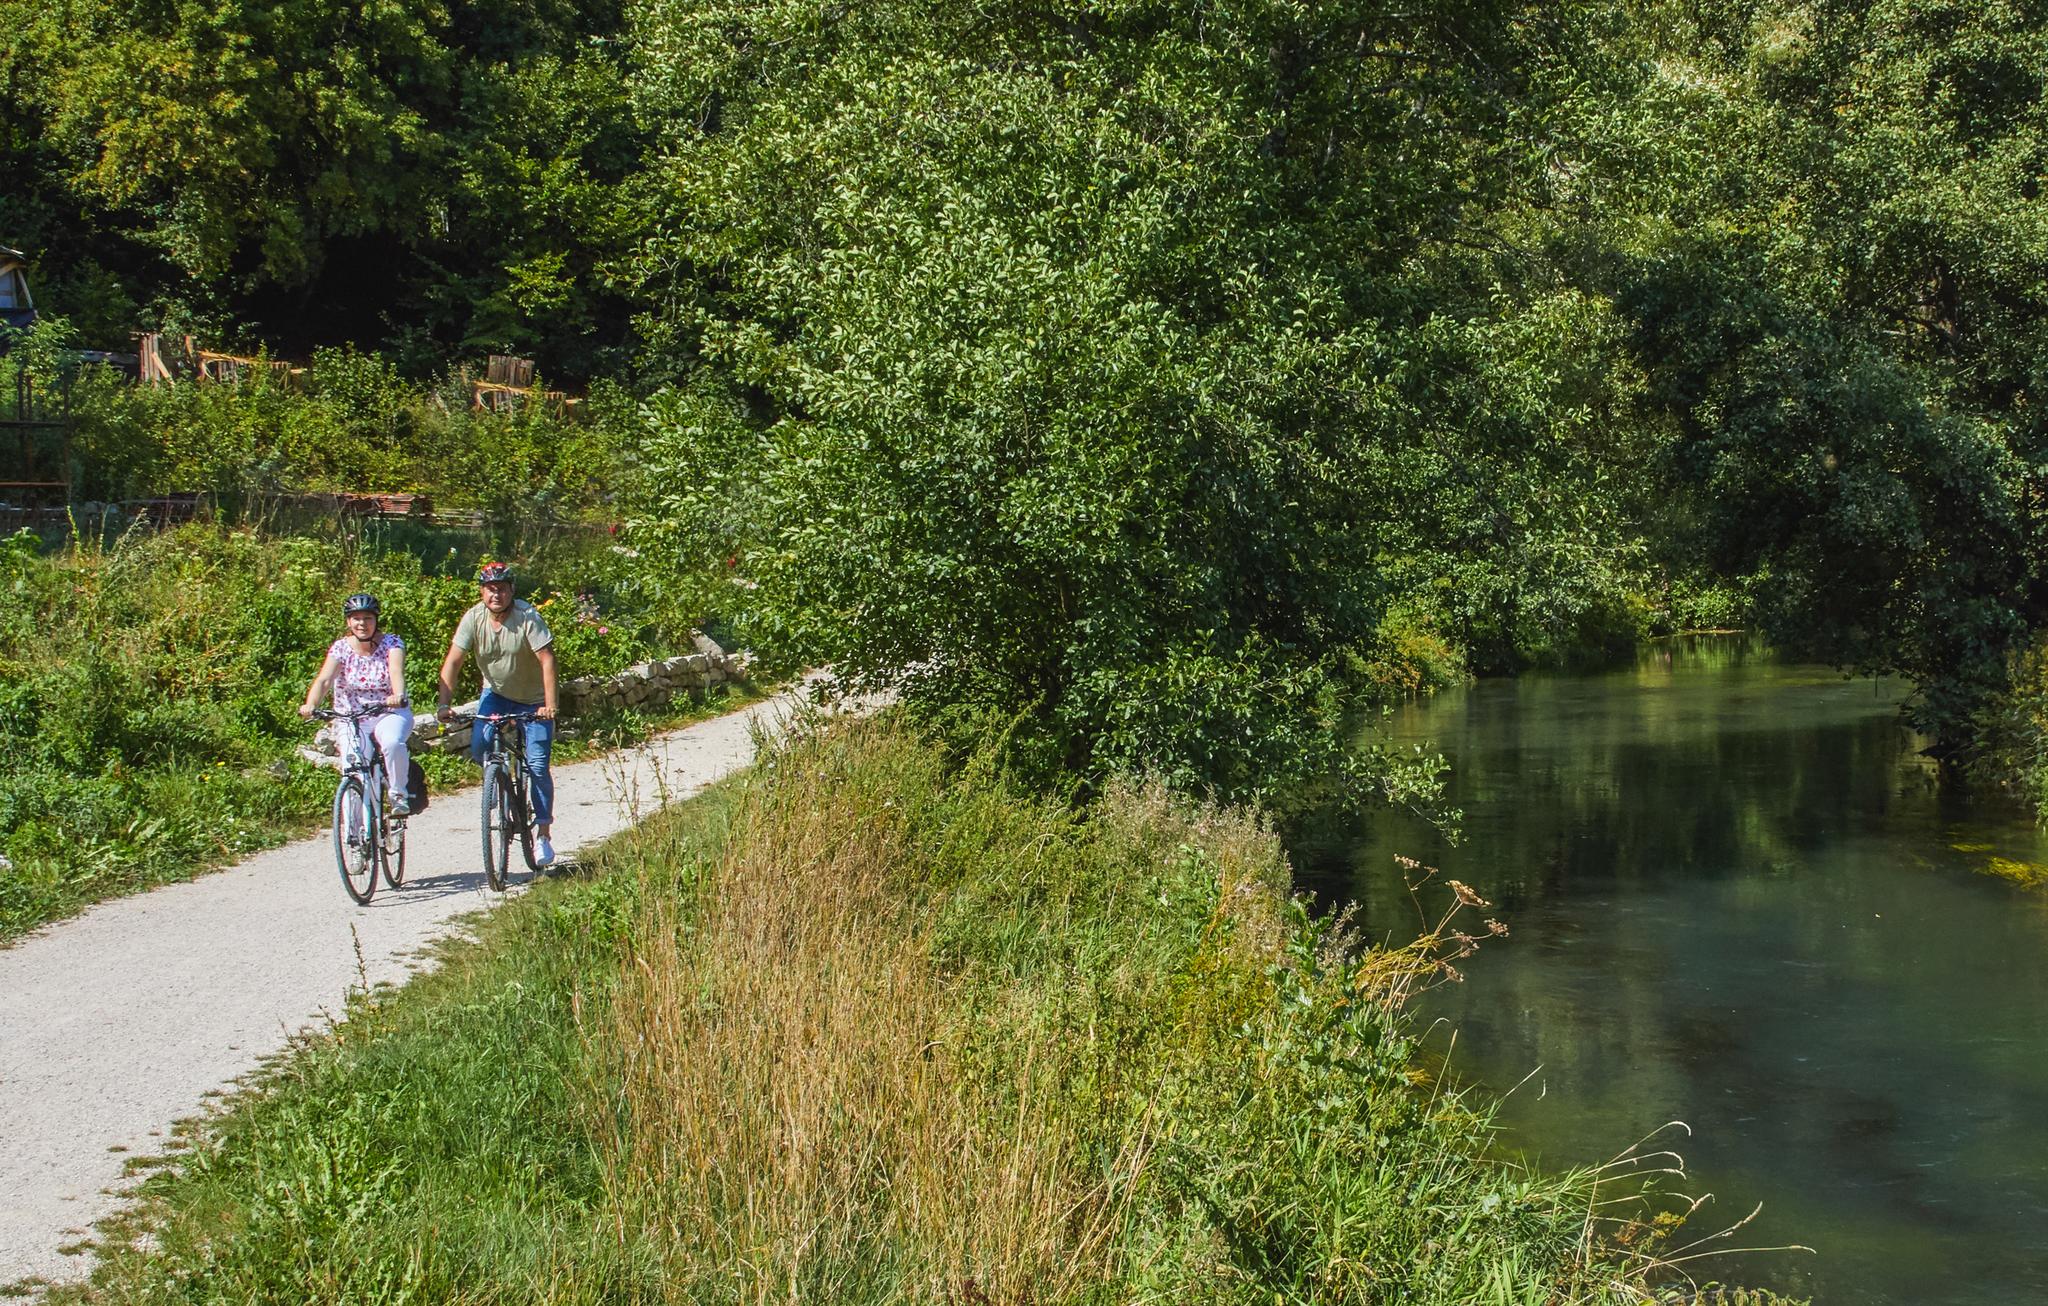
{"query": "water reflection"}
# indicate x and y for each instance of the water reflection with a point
(1739, 900)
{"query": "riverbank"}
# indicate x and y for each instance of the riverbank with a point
(869, 1024)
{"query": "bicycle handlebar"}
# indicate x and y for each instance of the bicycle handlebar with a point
(360, 714)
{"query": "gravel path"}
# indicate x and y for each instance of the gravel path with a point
(118, 1022)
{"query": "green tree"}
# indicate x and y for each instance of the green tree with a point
(434, 175)
(1822, 221)
(1124, 365)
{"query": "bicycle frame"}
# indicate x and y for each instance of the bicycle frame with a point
(369, 761)
(504, 755)
(367, 831)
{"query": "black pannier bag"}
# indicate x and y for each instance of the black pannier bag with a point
(415, 787)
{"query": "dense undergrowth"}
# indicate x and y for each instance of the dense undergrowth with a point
(867, 1024)
(149, 686)
(349, 421)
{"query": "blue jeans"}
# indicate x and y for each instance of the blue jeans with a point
(540, 745)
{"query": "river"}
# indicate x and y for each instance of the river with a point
(1738, 899)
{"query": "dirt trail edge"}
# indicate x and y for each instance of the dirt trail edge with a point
(118, 1022)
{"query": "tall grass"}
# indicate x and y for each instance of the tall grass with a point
(803, 1113)
(918, 1038)
(869, 1024)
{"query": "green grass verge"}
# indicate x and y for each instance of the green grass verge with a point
(869, 1024)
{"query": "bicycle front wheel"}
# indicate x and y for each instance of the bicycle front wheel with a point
(355, 844)
(497, 825)
(522, 818)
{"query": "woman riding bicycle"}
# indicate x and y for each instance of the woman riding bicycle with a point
(366, 670)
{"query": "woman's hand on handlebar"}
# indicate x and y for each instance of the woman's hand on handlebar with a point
(306, 711)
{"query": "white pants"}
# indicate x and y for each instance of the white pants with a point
(392, 731)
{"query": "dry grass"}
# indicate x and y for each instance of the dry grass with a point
(796, 1124)
(908, 1035)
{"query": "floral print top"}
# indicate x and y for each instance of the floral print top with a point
(364, 680)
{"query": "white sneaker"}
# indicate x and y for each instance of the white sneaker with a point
(543, 852)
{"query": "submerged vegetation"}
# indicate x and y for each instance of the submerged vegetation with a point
(872, 1024)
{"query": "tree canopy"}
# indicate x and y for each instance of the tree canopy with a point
(1165, 374)
(407, 172)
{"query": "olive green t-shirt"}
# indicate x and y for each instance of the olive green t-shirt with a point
(505, 654)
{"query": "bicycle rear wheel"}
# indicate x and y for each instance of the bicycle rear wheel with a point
(497, 825)
(355, 846)
(394, 852)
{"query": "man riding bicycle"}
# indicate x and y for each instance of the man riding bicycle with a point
(366, 670)
(515, 652)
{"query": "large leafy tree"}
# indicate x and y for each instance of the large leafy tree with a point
(1823, 222)
(1126, 364)
(252, 129)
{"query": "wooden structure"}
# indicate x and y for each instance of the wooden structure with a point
(17, 308)
(154, 367)
(508, 384)
(351, 503)
(232, 369)
(35, 426)
(150, 365)
(35, 446)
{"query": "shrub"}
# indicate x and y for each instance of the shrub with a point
(351, 423)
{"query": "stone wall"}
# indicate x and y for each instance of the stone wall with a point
(642, 685)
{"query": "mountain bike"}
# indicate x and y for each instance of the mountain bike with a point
(507, 807)
(366, 840)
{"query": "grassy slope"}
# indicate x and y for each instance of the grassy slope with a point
(862, 1026)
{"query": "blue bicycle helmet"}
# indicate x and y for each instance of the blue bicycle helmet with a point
(493, 573)
(355, 603)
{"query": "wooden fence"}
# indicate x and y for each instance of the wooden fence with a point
(35, 446)
(508, 384)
